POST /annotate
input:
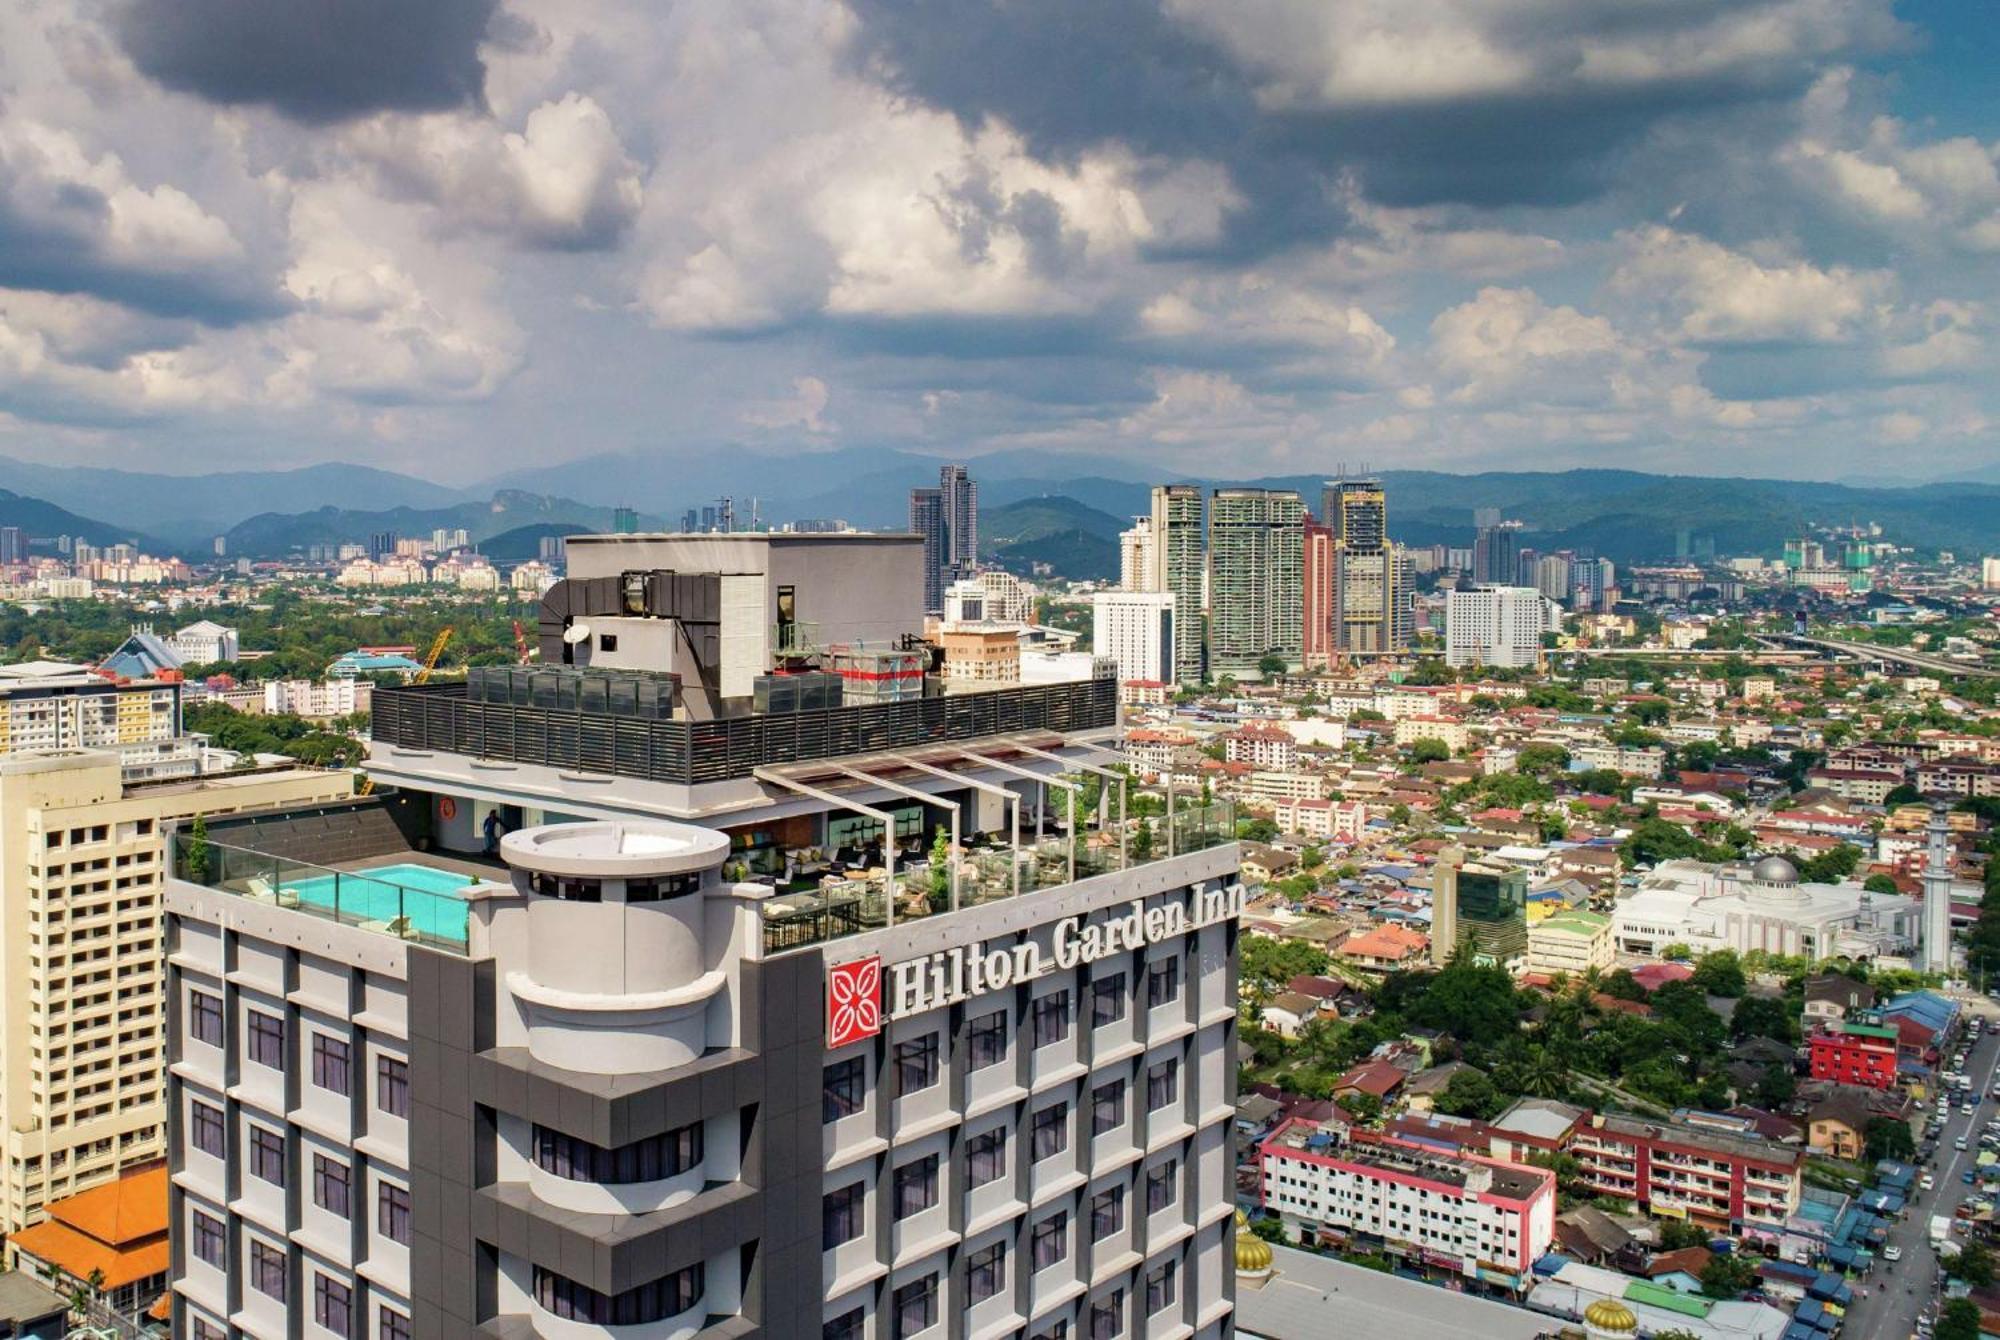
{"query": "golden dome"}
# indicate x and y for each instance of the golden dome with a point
(1253, 1254)
(1611, 1316)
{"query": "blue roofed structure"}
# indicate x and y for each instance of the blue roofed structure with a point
(363, 663)
(142, 655)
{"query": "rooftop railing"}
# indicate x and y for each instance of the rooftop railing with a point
(441, 717)
(849, 903)
(351, 897)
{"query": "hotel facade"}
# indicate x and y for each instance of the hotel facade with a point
(716, 1041)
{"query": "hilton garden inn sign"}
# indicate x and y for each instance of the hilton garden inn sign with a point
(859, 1000)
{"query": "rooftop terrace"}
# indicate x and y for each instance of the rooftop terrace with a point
(443, 717)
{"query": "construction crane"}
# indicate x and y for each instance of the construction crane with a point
(438, 644)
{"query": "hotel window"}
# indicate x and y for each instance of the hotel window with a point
(330, 1185)
(267, 1155)
(843, 1092)
(329, 1070)
(267, 1270)
(205, 1018)
(1107, 1213)
(1051, 1018)
(392, 1212)
(1160, 1288)
(916, 1186)
(1050, 1242)
(333, 1303)
(562, 1297)
(267, 1039)
(392, 1086)
(986, 1040)
(652, 1159)
(661, 888)
(1051, 1131)
(1107, 1107)
(1107, 1317)
(1162, 1084)
(210, 1240)
(986, 1157)
(1161, 1185)
(985, 1273)
(847, 1326)
(205, 1128)
(1163, 981)
(840, 1217)
(917, 1064)
(1055, 1330)
(916, 1307)
(1107, 1000)
(393, 1325)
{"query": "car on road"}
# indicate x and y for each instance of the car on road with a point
(1927, 1181)
(1892, 1253)
(1958, 1143)
(1968, 1177)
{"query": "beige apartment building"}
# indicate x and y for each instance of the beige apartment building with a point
(82, 853)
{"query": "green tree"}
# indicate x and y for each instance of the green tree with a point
(1360, 1106)
(1879, 883)
(1727, 1276)
(1778, 1087)
(1974, 1265)
(1470, 1094)
(1720, 973)
(1541, 759)
(1429, 750)
(197, 850)
(1677, 953)
(1888, 1138)
(1959, 1319)
(1763, 1017)
(1270, 963)
(1272, 666)
(1256, 830)
(1142, 841)
(1676, 1234)
(940, 871)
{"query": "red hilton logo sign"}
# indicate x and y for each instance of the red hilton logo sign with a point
(853, 1002)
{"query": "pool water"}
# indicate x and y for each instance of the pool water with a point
(427, 896)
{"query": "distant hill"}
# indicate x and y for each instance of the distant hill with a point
(186, 509)
(1072, 538)
(504, 514)
(40, 520)
(1622, 514)
(525, 542)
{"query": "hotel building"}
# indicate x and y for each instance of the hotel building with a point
(714, 1043)
(1479, 1218)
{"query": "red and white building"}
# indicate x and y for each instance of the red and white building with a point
(1712, 1169)
(1861, 1054)
(1479, 1218)
(1267, 747)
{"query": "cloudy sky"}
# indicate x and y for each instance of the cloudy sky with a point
(1226, 236)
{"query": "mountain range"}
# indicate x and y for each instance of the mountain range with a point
(1062, 511)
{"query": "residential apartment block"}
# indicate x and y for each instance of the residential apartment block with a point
(1702, 1166)
(1485, 1219)
(82, 872)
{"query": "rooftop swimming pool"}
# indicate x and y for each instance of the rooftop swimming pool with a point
(429, 897)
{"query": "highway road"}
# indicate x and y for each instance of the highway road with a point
(1900, 1290)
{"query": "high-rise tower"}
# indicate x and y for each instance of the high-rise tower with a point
(948, 519)
(1180, 566)
(1937, 895)
(1372, 577)
(1255, 585)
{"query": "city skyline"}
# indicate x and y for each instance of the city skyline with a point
(1752, 238)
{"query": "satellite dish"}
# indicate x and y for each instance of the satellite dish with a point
(576, 632)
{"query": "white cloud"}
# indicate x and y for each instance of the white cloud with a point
(804, 408)
(1706, 293)
(1389, 53)
(562, 180)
